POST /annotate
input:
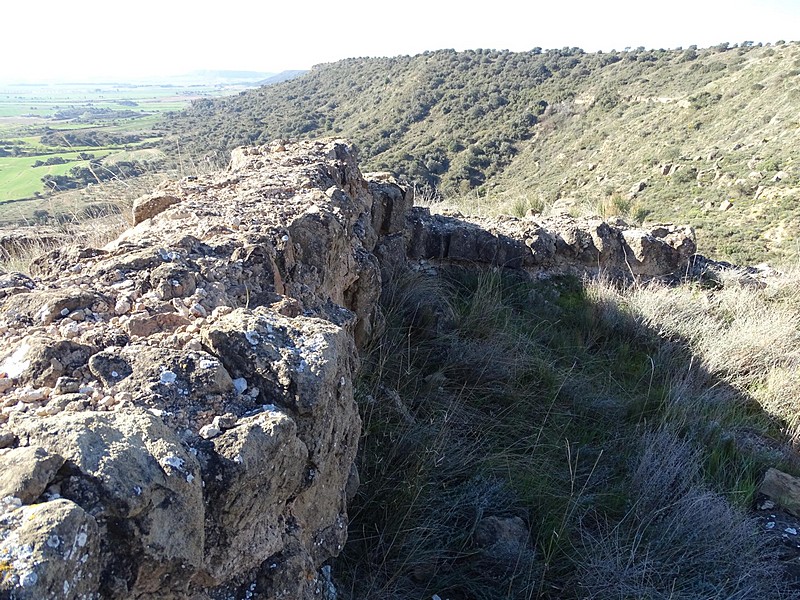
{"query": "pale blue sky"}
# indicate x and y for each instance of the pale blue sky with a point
(82, 39)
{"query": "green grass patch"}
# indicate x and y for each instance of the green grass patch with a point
(103, 111)
(18, 178)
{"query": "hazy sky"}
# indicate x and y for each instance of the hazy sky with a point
(82, 39)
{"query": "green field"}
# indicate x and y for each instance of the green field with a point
(18, 178)
(122, 117)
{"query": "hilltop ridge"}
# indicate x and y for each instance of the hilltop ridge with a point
(663, 135)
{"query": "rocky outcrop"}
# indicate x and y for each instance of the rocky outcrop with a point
(176, 409)
(181, 401)
(559, 244)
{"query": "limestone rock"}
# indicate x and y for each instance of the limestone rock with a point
(148, 207)
(638, 187)
(783, 488)
(49, 550)
(391, 203)
(556, 244)
(508, 535)
(299, 364)
(146, 325)
(15, 283)
(40, 360)
(257, 466)
(171, 376)
(135, 477)
(7, 439)
(649, 256)
(27, 471)
(141, 342)
(46, 306)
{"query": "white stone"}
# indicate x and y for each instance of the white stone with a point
(220, 311)
(209, 431)
(198, 310)
(194, 344)
(32, 394)
(122, 306)
(15, 365)
(240, 385)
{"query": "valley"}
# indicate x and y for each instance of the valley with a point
(60, 137)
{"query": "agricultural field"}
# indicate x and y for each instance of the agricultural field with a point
(64, 136)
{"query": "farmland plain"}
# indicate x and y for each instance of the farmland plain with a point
(61, 136)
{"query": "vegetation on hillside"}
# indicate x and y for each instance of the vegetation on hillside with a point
(96, 172)
(697, 126)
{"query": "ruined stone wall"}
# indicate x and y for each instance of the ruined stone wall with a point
(176, 410)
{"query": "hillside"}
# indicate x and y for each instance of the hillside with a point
(687, 129)
(285, 382)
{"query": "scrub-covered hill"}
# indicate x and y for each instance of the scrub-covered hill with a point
(660, 135)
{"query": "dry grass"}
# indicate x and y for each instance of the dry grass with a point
(76, 206)
(521, 202)
(679, 541)
(517, 203)
(95, 233)
(92, 216)
(626, 426)
(747, 337)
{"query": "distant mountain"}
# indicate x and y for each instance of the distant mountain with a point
(665, 135)
(283, 76)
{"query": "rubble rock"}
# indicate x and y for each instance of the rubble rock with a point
(782, 488)
(136, 342)
(135, 477)
(41, 360)
(49, 550)
(14, 283)
(556, 244)
(27, 471)
(262, 453)
(7, 439)
(509, 535)
(148, 207)
(46, 306)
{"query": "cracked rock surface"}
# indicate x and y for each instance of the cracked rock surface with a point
(233, 309)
